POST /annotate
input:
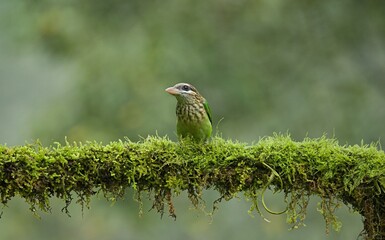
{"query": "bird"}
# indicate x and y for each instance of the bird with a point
(193, 113)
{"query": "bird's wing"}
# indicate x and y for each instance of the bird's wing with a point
(208, 111)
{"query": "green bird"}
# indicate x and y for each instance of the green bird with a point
(192, 111)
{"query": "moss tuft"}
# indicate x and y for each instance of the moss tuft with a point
(354, 175)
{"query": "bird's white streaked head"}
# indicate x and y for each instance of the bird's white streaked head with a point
(184, 92)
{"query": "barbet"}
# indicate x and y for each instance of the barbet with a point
(192, 111)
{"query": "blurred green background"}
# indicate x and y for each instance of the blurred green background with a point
(97, 70)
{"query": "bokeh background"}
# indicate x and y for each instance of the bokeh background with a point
(97, 70)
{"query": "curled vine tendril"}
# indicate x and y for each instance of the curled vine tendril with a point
(271, 178)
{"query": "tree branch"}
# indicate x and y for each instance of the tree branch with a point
(354, 175)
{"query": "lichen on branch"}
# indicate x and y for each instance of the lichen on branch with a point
(353, 175)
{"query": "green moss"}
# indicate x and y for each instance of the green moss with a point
(338, 174)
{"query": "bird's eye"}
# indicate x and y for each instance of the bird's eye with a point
(185, 88)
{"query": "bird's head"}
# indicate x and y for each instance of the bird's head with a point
(184, 93)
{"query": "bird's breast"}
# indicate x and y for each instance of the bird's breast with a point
(190, 112)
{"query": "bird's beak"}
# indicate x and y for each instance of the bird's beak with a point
(172, 91)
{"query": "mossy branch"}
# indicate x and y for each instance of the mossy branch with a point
(354, 175)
